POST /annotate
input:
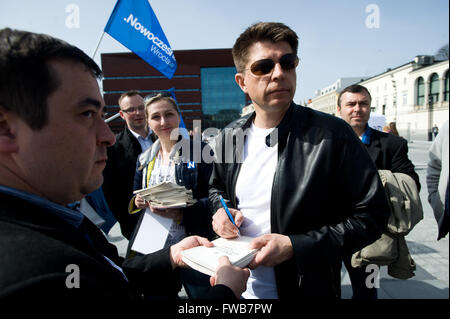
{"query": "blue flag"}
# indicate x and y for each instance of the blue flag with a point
(134, 24)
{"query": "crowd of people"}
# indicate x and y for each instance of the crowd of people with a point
(304, 184)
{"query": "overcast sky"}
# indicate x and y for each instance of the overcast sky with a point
(337, 38)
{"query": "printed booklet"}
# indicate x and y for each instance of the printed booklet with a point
(206, 259)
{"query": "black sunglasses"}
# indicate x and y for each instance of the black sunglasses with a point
(262, 67)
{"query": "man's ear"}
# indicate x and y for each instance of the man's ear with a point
(338, 110)
(240, 80)
(8, 141)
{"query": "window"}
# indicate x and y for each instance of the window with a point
(405, 98)
(420, 86)
(222, 98)
(446, 87)
(434, 88)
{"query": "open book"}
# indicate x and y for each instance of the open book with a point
(167, 195)
(206, 259)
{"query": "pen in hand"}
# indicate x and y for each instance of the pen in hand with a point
(228, 213)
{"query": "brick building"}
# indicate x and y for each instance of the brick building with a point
(204, 85)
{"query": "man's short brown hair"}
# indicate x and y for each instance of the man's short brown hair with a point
(128, 93)
(354, 88)
(261, 31)
(27, 77)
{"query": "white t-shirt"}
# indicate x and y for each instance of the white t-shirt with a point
(254, 191)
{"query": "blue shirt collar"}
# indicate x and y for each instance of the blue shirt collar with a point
(367, 136)
(137, 136)
(70, 216)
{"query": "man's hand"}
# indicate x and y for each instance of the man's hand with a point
(188, 242)
(233, 277)
(223, 226)
(274, 249)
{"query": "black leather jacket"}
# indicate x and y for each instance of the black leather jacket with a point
(326, 196)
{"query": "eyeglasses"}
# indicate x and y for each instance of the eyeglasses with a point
(133, 109)
(265, 66)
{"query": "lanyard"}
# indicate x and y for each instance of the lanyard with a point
(150, 169)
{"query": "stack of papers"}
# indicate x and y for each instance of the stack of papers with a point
(206, 259)
(167, 195)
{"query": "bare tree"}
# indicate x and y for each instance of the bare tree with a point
(442, 53)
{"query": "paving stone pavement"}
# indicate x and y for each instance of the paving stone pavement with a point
(431, 280)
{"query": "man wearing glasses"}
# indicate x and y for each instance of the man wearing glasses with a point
(298, 181)
(122, 156)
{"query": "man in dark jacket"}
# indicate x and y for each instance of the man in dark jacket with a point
(388, 152)
(53, 142)
(296, 180)
(122, 157)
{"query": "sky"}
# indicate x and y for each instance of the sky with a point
(350, 38)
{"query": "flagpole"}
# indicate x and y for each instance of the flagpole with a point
(98, 45)
(111, 118)
(93, 57)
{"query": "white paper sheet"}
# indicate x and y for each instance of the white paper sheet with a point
(152, 233)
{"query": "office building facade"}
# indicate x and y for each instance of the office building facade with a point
(415, 95)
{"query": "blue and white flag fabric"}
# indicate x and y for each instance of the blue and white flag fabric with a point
(134, 24)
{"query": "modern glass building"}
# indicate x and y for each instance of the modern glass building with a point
(204, 85)
(222, 98)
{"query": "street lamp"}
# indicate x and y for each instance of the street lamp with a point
(430, 117)
(394, 97)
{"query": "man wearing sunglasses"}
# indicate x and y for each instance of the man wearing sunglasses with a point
(297, 180)
(122, 157)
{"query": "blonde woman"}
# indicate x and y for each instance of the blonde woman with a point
(165, 162)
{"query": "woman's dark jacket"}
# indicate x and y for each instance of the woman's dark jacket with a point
(195, 176)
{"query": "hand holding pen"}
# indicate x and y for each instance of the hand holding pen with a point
(226, 221)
